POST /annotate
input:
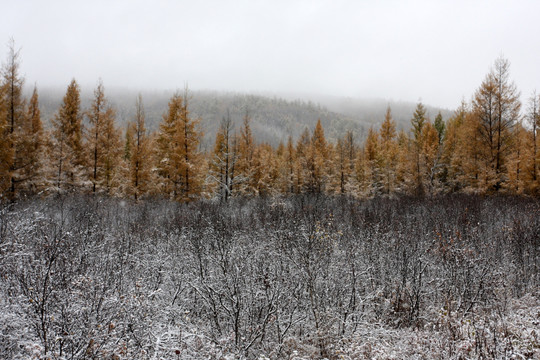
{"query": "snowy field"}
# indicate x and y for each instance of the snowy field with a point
(298, 278)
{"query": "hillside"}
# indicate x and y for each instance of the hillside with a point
(273, 118)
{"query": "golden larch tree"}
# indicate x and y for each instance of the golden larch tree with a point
(388, 152)
(138, 153)
(67, 158)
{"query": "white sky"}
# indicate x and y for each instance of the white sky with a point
(438, 51)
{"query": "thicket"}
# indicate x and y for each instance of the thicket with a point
(450, 277)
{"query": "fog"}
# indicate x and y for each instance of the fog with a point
(436, 51)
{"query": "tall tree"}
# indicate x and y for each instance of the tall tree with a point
(246, 149)
(34, 155)
(388, 151)
(372, 179)
(345, 152)
(6, 150)
(96, 118)
(178, 150)
(418, 120)
(318, 155)
(430, 155)
(67, 152)
(533, 118)
(15, 119)
(111, 146)
(138, 148)
(496, 105)
(224, 159)
(439, 126)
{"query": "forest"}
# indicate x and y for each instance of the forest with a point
(488, 146)
(130, 241)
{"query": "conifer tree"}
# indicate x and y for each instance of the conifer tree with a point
(406, 160)
(265, 170)
(66, 146)
(290, 167)
(303, 151)
(178, 158)
(388, 151)
(246, 148)
(97, 118)
(317, 160)
(533, 119)
(519, 177)
(15, 120)
(372, 184)
(33, 172)
(224, 160)
(138, 153)
(452, 142)
(345, 153)
(439, 126)
(111, 147)
(418, 120)
(496, 106)
(6, 150)
(430, 154)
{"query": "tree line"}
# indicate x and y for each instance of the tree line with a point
(487, 146)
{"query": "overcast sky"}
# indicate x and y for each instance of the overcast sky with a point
(437, 51)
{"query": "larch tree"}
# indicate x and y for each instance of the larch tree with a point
(265, 170)
(67, 158)
(405, 163)
(317, 161)
(302, 150)
(191, 159)
(508, 108)
(179, 160)
(289, 167)
(450, 160)
(6, 150)
(388, 152)
(533, 119)
(96, 118)
(519, 178)
(372, 179)
(138, 153)
(33, 172)
(18, 136)
(418, 120)
(430, 155)
(345, 158)
(246, 149)
(496, 106)
(224, 160)
(111, 145)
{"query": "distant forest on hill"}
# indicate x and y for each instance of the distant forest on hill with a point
(273, 118)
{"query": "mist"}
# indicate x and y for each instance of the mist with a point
(437, 52)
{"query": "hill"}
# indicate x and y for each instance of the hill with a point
(274, 118)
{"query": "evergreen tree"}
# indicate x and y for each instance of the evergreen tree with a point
(439, 126)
